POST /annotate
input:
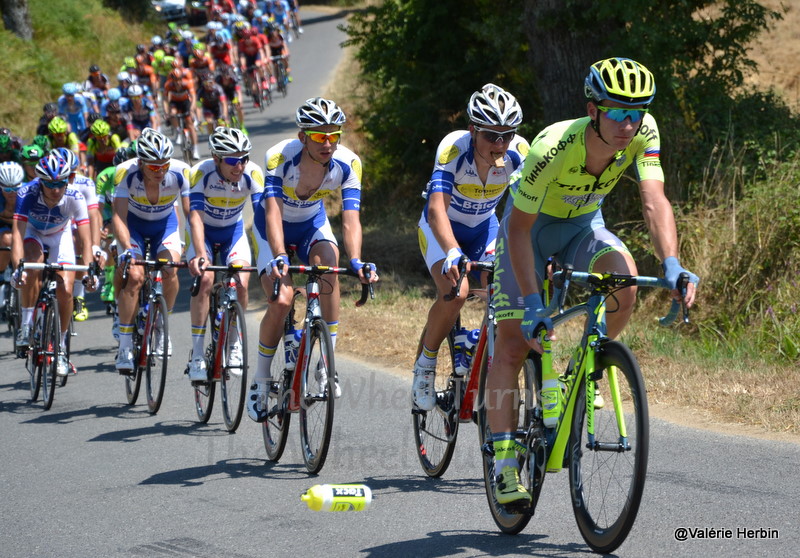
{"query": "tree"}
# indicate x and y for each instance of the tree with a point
(16, 18)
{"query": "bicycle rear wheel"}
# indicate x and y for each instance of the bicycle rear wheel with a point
(49, 344)
(133, 382)
(234, 378)
(156, 364)
(276, 428)
(435, 431)
(317, 385)
(13, 314)
(607, 475)
(508, 521)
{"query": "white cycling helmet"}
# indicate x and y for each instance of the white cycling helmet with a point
(153, 146)
(319, 112)
(70, 157)
(123, 76)
(494, 106)
(135, 91)
(228, 141)
(11, 174)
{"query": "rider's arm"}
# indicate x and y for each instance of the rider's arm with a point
(85, 235)
(520, 250)
(95, 224)
(438, 202)
(120, 222)
(197, 231)
(273, 209)
(17, 234)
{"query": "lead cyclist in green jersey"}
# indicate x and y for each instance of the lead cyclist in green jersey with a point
(568, 172)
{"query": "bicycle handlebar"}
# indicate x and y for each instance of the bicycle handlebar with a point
(608, 282)
(463, 262)
(34, 266)
(224, 268)
(319, 270)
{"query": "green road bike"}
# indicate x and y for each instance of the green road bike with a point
(602, 433)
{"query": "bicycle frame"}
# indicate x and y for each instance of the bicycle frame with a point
(583, 364)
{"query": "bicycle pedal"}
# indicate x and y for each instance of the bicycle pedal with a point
(517, 508)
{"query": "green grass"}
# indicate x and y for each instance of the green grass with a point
(69, 36)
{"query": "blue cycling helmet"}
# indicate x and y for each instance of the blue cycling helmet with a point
(53, 167)
(69, 89)
(70, 157)
(114, 94)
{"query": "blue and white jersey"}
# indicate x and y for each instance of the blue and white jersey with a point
(455, 173)
(221, 202)
(87, 187)
(32, 209)
(129, 183)
(283, 175)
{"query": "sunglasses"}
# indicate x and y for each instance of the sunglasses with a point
(322, 137)
(55, 184)
(157, 168)
(620, 114)
(9, 189)
(32, 163)
(233, 161)
(492, 136)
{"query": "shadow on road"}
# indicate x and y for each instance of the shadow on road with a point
(228, 468)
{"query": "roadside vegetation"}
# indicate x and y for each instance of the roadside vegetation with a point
(729, 149)
(68, 37)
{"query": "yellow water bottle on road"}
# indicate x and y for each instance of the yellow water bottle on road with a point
(338, 497)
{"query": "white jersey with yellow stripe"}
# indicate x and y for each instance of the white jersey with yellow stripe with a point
(455, 173)
(129, 182)
(283, 175)
(221, 201)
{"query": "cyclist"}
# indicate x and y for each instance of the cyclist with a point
(278, 47)
(9, 150)
(88, 190)
(146, 189)
(29, 158)
(96, 82)
(470, 176)
(181, 98)
(11, 178)
(300, 173)
(101, 148)
(570, 169)
(74, 107)
(142, 110)
(226, 78)
(253, 51)
(220, 189)
(49, 111)
(215, 105)
(44, 210)
(60, 136)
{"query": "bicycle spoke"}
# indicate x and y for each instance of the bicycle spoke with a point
(317, 402)
(234, 374)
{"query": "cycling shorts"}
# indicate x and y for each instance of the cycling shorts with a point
(304, 235)
(478, 243)
(57, 243)
(578, 241)
(181, 107)
(212, 111)
(162, 234)
(140, 124)
(231, 242)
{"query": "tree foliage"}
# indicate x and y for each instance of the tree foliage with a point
(421, 60)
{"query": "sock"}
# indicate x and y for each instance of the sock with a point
(333, 327)
(198, 340)
(505, 454)
(264, 362)
(427, 358)
(77, 289)
(27, 316)
(126, 335)
(64, 339)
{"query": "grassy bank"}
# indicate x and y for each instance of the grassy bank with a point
(69, 36)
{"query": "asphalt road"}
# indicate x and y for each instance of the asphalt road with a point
(95, 477)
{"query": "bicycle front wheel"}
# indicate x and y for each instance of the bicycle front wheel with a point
(49, 347)
(234, 373)
(608, 469)
(204, 391)
(509, 521)
(157, 348)
(276, 428)
(35, 356)
(133, 382)
(317, 386)
(435, 431)
(68, 349)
